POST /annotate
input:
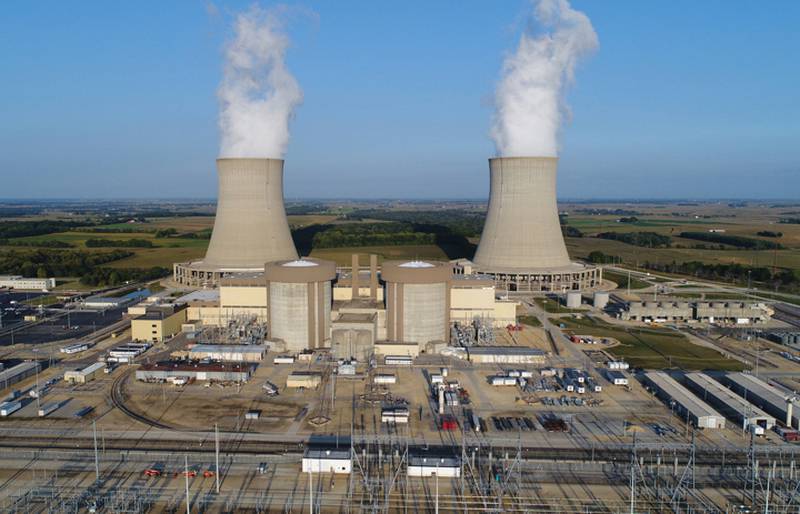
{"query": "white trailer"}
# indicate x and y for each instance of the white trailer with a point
(9, 407)
(47, 408)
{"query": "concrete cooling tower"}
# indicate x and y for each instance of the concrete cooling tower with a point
(521, 244)
(250, 228)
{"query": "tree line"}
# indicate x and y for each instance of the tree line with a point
(748, 243)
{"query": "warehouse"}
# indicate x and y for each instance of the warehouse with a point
(18, 373)
(228, 352)
(683, 402)
(304, 379)
(161, 371)
(327, 460)
(20, 282)
(780, 404)
(429, 463)
(84, 375)
(731, 405)
(505, 355)
(112, 302)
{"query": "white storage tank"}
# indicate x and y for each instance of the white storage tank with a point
(299, 302)
(601, 300)
(574, 299)
(417, 300)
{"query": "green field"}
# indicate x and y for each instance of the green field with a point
(554, 306)
(621, 280)
(655, 348)
(531, 321)
(342, 256)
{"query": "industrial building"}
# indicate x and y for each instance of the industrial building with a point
(354, 334)
(20, 282)
(657, 311)
(789, 338)
(300, 298)
(113, 302)
(505, 355)
(522, 247)
(429, 463)
(304, 379)
(713, 312)
(776, 402)
(84, 375)
(417, 301)
(250, 227)
(159, 323)
(327, 460)
(220, 372)
(731, 405)
(21, 371)
(683, 402)
(228, 352)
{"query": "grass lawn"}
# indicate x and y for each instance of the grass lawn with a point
(531, 321)
(553, 306)
(621, 279)
(655, 348)
(49, 299)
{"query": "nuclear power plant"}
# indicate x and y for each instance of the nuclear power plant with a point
(250, 228)
(522, 246)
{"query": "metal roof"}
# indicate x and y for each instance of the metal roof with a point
(504, 350)
(680, 394)
(722, 394)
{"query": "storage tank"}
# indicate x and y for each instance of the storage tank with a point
(574, 299)
(299, 302)
(417, 300)
(600, 300)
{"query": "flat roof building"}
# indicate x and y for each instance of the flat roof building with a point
(683, 402)
(222, 372)
(505, 355)
(304, 379)
(780, 404)
(17, 373)
(159, 323)
(327, 460)
(20, 282)
(84, 375)
(729, 404)
(228, 352)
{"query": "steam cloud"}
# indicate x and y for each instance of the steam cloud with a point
(529, 100)
(258, 95)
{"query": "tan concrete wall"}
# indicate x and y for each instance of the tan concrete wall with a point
(345, 294)
(409, 349)
(157, 329)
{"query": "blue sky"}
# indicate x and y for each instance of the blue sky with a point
(683, 99)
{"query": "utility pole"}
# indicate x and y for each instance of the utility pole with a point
(216, 452)
(310, 491)
(96, 457)
(186, 476)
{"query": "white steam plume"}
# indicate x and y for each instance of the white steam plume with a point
(529, 101)
(258, 95)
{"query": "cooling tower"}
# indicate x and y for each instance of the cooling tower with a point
(522, 233)
(250, 228)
